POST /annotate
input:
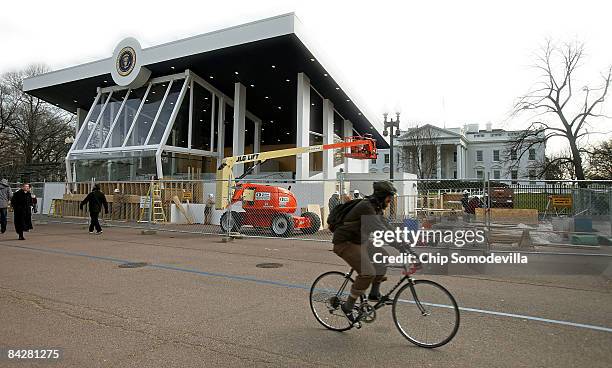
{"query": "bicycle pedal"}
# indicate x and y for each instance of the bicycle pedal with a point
(357, 325)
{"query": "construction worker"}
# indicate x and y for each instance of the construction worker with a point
(334, 200)
(118, 205)
(356, 194)
(208, 209)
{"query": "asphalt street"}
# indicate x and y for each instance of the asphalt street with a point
(203, 303)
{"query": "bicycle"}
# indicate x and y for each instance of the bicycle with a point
(416, 303)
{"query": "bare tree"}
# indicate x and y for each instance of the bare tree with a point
(566, 112)
(35, 131)
(415, 146)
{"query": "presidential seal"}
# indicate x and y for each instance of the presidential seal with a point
(126, 60)
(126, 64)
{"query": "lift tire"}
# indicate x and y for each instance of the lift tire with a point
(315, 223)
(282, 225)
(236, 221)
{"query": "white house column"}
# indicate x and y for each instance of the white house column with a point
(302, 161)
(459, 152)
(239, 124)
(347, 132)
(439, 161)
(328, 138)
(420, 161)
(257, 142)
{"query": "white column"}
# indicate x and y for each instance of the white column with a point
(220, 130)
(348, 132)
(439, 161)
(257, 142)
(459, 152)
(328, 138)
(239, 124)
(81, 114)
(302, 161)
(420, 161)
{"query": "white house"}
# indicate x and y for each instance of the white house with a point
(461, 153)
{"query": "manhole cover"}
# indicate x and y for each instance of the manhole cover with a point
(269, 265)
(133, 264)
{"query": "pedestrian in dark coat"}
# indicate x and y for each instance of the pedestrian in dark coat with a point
(30, 202)
(95, 201)
(21, 205)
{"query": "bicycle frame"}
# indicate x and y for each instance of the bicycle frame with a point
(385, 299)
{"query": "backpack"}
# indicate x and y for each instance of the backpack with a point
(338, 213)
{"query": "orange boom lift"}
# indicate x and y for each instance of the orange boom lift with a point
(273, 207)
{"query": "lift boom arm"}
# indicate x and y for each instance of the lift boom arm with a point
(224, 172)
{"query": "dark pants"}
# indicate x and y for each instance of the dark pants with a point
(94, 223)
(367, 272)
(3, 219)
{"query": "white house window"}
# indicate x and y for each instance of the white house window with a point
(455, 156)
(495, 155)
(479, 174)
(479, 155)
(514, 176)
(373, 160)
(386, 158)
(532, 154)
(532, 174)
(496, 174)
(513, 154)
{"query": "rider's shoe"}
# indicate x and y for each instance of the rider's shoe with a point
(374, 297)
(350, 315)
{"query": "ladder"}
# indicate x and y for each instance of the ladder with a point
(153, 208)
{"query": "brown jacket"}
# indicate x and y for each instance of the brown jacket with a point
(351, 228)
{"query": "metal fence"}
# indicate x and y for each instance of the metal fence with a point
(555, 214)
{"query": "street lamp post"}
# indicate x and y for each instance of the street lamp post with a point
(389, 125)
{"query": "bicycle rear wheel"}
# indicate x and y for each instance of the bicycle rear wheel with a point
(426, 314)
(327, 294)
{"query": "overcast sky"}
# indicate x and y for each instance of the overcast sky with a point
(440, 62)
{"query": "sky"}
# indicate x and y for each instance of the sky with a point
(447, 63)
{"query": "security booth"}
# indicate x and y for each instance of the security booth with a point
(175, 110)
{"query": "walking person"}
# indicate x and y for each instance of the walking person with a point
(5, 199)
(95, 200)
(30, 201)
(21, 203)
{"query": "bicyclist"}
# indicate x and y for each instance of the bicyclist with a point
(347, 241)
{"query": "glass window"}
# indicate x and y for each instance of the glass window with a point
(455, 156)
(180, 128)
(144, 120)
(126, 117)
(478, 155)
(90, 124)
(117, 168)
(532, 154)
(513, 154)
(479, 174)
(386, 158)
(106, 120)
(495, 155)
(202, 118)
(514, 176)
(338, 125)
(166, 111)
(496, 174)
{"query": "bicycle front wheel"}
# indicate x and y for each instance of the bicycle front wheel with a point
(327, 294)
(426, 314)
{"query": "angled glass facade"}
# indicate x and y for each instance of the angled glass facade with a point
(166, 128)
